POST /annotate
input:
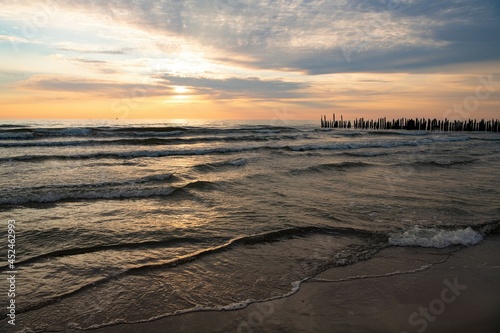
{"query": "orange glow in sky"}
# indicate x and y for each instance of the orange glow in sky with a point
(248, 60)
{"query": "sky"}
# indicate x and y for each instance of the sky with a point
(243, 59)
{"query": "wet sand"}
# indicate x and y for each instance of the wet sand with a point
(398, 290)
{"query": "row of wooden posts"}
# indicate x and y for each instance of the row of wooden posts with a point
(418, 124)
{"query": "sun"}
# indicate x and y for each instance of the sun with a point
(180, 95)
(180, 89)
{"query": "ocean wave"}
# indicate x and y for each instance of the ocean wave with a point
(367, 153)
(6, 136)
(110, 247)
(49, 143)
(135, 131)
(133, 154)
(37, 133)
(155, 134)
(227, 150)
(201, 185)
(89, 192)
(265, 237)
(77, 131)
(12, 126)
(434, 237)
(47, 197)
(451, 139)
(399, 133)
(219, 166)
(372, 243)
(149, 141)
(444, 163)
(348, 134)
(146, 179)
(342, 166)
(374, 144)
(486, 138)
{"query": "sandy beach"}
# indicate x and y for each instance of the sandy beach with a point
(447, 290)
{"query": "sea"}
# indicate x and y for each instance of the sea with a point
(128, 221)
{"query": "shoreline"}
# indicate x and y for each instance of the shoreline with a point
(400, 289)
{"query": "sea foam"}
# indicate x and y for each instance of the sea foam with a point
(433, 237)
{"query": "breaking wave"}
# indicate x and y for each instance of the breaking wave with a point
(434, 237)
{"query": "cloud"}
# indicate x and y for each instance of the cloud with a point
(93, 87)
(100, 66)
(313, 36)
(239, 87)
(89, 61)
(12, 73)
(322, 36)
(95, 51)
(12, 39)
(15, 41)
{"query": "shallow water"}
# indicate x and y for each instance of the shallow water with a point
(130, 221)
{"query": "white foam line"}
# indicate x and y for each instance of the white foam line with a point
(361, 277)
(229, 307)
(437, 238)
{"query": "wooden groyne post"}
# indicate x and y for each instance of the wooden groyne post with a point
(417, 124)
